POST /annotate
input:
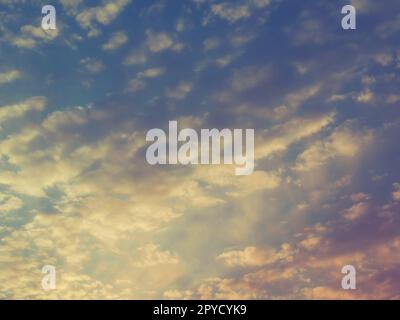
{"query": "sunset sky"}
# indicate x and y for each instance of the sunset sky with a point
(77, 193)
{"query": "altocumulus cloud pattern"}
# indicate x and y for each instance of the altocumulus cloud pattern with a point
(77, 193)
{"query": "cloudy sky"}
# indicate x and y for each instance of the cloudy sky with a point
(77, 193)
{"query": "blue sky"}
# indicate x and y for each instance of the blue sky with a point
(76, 191)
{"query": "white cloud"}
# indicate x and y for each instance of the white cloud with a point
(249, 77)
(152, 72)
(151, 255)
(104, 14)
(366, 96)
(157, 42)
(9, 203)
(9, 76)
(226, 60)
(116, 40)
(396, 192)
(136, 57)
(343, 142)
(230, 12)
(138, 83)
(30, 36)
(280, 137)
(27, 43)
(211, 43)
(256, 256)
(356, 211)
(233, 12)
(92, 65)
(40, 33)
(180, 92)
(21, 109)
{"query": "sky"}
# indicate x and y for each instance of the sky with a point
(77, 193)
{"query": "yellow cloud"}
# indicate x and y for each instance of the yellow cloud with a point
(9, 76)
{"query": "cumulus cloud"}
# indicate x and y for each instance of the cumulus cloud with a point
(9, 76)
(233, 12)
(103, 14)
(30, 36)
(180, 91)
(249, 77)
(139, 82)
(211, 43)
(9, 203)
(18, 110)
(157, 42)
(343, 142)
(230, 12)
(116, 40)
(280, 137)
(136, 57)
(356, 211)
(254, 257)
(76, 191)
(92, 65)
(60, 159)
(396, 192)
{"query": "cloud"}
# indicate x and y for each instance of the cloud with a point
(291, 102)
(365, 97)
(27, 43)
(136, 57)
(249, 77)
(343, 142)
(152, 255)
(30, 36)
(223, 177)
(63, 160)
(9, 203)
(152, 73)
(180, 25)
(103, 14)
(39, 33)
(261, 3)
(280, 137)
(71, 4)
(19, 110)
(76, 191)
(356, 211)
(384, 58)
(393, 98)
(157, 42)
(92, 65)
(396, 192)
(211, 43)
(230, 12)
(241, 39)
(363, 5)
(236, 11)
(116, 40)
(254, 257)
(136, 85)
(180, 91)
(9, 76)
(226, 60)
(139, 83)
